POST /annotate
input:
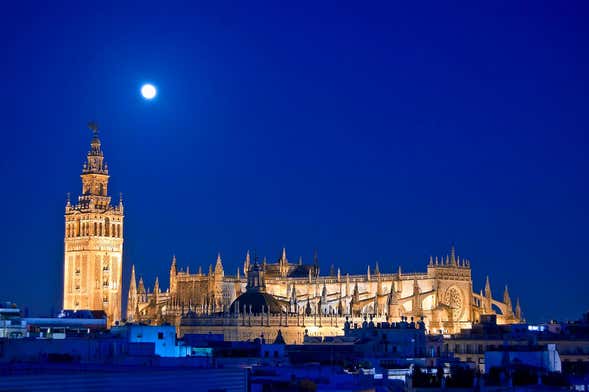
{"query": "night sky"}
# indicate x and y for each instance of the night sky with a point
(365, 131)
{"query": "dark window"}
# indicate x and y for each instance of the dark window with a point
(160, 336)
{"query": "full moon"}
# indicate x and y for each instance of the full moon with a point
(148, 91)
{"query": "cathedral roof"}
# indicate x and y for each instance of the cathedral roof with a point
(299, 271)
(259, 302)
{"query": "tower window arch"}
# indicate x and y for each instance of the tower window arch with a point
(107, 227)
(101, 189)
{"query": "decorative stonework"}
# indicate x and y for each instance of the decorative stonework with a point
(453, 298)
(443, 295)
(93, 243)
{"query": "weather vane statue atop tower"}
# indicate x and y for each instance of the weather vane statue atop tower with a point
(93, 126)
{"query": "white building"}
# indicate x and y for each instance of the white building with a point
(11, 324)
(163, 337)
(544, 358)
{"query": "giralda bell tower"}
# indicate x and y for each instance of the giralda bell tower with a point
(94, 241)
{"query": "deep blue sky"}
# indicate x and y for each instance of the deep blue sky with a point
(370, 132)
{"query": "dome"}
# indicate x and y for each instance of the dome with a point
(259, 302)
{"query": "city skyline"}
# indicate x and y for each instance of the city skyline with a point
(371, 144)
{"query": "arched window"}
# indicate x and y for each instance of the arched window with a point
(100, 228)
(106, 227)
(101, 189)
(95, 228)
(113, 230)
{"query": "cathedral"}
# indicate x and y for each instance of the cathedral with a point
(262, 298)
(271, 293)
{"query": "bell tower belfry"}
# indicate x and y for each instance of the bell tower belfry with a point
(93, 253)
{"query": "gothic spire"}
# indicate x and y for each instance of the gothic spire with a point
(518, 310)
(347, 284)
(141, 286)
(417, 304)
(392, 299)
(453, 255)
(393, 302)
(219, 265)
(507, 301)
(246, 263)
(173, 267)
(379, 291)
(376, 269)
(488, 288)
(133, 284)
(506, 298)
(156, 286)
(356, 294)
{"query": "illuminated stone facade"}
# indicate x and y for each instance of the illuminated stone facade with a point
(93, 253)
(443, 295)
